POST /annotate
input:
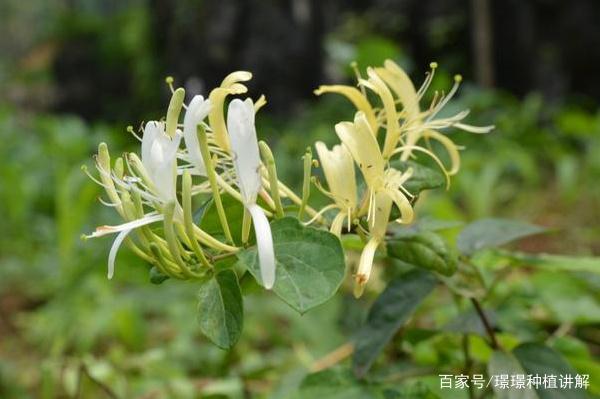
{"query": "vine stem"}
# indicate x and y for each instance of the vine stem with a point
(486, 323)
(333, 358)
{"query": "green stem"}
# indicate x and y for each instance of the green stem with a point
(172, 241)
(188, 220)
(210, 172)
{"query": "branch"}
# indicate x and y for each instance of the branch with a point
(486, 323)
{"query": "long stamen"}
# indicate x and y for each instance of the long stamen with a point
(438, 108)
(427, 81)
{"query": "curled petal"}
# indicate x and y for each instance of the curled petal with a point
(474, 129)
(449, 146)
(234, 77)
(356, 97)
(104, 230)
(112, 255)
(215, 116)
(264, 243)
(403, 204)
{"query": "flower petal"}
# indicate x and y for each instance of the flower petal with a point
(363, 146)
(147, 219)
(264, 244)
(392, 136)
(400, 83)
(338, 168)
(151, 131)
(244, 148)
(356, 97)
(112, 255)
(197, 111)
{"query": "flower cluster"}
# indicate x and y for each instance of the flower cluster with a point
(208, 152)
(219, 155)
(405, 125)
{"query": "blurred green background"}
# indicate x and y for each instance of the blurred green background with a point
(74, 73)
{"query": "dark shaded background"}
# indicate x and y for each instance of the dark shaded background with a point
(107, 59)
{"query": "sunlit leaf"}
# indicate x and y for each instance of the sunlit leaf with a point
(310, 263)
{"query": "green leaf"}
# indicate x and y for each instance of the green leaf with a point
(540, 359)
(220, 309)
(489, 233)
(423, 178)
(506, 363)
(554, 262)
(389, 312)
(423, 249)
(310, 263)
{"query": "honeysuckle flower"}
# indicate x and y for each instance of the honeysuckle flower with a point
(405, 127)
(384, 189)
(197, 111)
(159, 159)
(246, 160)
(229, 86)
(377, 232)
(361, 143)
(338, 168)
(419, 124)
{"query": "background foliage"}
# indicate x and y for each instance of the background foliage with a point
(74, 73)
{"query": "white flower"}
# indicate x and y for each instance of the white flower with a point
(159, 156)
(197, 111)
(246, 160)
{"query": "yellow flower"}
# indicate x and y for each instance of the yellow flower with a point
(417, 124)
(384, 189)
(338, 168)
(362, 145)
(407, 125)
(230, 86)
